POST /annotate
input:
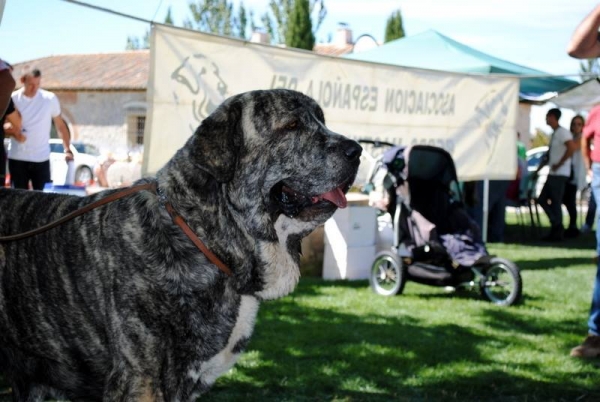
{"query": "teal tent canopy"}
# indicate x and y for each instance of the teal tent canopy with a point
(432, 50)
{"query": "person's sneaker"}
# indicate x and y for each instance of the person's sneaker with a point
(590, 348)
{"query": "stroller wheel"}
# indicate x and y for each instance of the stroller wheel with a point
(388, 274)
(501, 283)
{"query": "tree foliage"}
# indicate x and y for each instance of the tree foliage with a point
(589, 68)
(217, 16)
(299, 32)
(540, 138)
(135, 43)
(393, 27)
(276, 20)
(169, 17)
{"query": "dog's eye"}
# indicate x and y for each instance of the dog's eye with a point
(292, 125)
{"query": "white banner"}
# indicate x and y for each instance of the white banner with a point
(472, 116)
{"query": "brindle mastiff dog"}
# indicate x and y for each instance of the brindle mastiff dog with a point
(120, 305)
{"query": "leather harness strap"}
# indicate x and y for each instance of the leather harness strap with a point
(177, 219)
(110, 198)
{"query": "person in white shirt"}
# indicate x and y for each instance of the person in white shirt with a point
(561, 148)
(29, 160)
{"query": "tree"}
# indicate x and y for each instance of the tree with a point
(540, 139)
(299, 32)
(169, 18)
(216, 16)
(589, 69)
(276, 20)
(135, 43)
(393, 27)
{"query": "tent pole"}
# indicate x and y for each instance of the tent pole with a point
(486, 208)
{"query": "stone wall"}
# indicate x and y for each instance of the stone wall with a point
(100, 117)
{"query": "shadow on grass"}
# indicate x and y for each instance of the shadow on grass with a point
(552, 263)
(505, 321)
(515, 234)
(317, 354)
(301, 353)
(340, 354)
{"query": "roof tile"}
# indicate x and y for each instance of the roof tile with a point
(101, 71)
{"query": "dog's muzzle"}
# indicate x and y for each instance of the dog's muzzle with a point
(292, 202)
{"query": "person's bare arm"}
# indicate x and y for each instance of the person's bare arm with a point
(14, 129)
(586, 151)
(7, 85)
(584, 42)
(64, 134)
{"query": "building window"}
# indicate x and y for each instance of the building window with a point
(135, 130)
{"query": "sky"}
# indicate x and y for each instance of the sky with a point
(533, 33)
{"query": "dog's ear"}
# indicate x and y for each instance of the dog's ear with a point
(214, 144)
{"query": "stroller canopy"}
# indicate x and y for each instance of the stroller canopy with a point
(432, 181)
(431, 163)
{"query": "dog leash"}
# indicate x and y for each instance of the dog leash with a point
(177, 219)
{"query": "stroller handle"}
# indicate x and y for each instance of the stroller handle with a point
(376, 143)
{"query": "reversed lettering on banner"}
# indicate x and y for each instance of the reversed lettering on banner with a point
(471, 116)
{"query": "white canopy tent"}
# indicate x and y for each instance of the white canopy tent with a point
(582, 97)
(473, 116)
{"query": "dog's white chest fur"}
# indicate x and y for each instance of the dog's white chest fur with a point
(210, 370)
(281, 273)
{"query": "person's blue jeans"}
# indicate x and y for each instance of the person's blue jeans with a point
(590, 216)
(594, 320)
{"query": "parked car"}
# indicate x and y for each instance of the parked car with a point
(534, 158)
(85, 158)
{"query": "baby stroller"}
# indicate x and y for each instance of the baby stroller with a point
(435, 241)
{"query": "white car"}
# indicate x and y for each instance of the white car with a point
(80, 171)
(534, 158)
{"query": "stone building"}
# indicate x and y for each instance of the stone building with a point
(102, 96)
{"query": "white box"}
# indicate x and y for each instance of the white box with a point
(347, 263)
(357, 225)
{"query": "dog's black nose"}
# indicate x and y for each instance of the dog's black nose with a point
(352, 149)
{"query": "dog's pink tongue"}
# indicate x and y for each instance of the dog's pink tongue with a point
(336, 197)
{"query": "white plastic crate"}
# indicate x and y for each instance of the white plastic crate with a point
(352, 226)
(347, 263)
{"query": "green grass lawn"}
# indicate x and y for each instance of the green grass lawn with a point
(338, 341)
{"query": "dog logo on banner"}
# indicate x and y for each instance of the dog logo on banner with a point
(201, 77)
(491, 112)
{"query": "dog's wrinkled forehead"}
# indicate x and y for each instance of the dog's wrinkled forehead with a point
(271, 107)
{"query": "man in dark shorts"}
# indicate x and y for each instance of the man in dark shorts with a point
(30, 160)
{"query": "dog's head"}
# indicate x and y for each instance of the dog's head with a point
(279, 170)
(275, 153)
